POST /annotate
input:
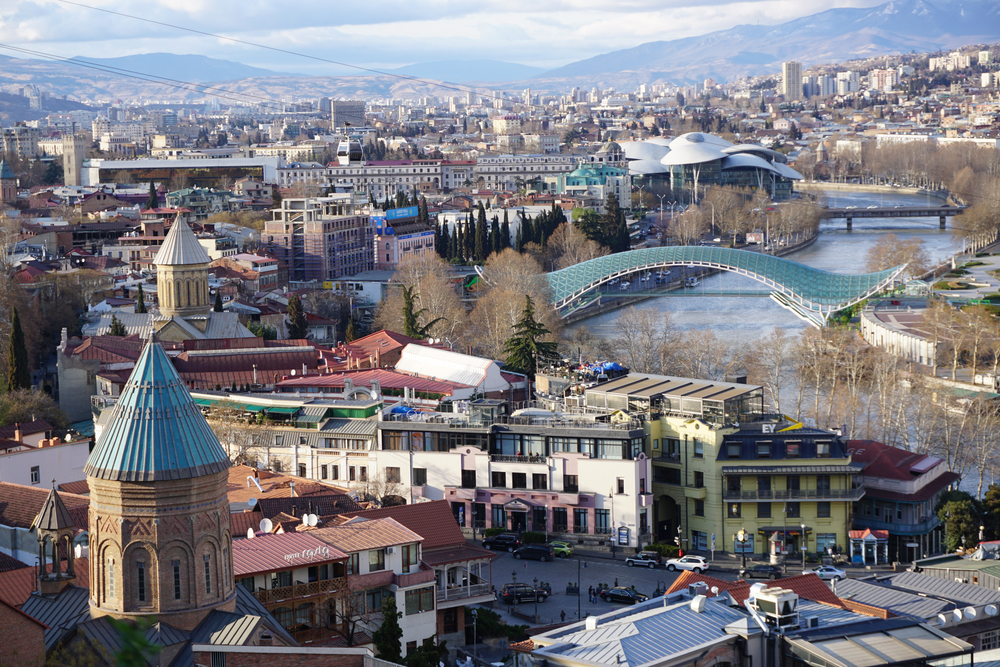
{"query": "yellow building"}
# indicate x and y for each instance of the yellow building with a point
(720, 464)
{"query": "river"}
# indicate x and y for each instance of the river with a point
(744, 319)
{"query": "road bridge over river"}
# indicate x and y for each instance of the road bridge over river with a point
(851, 213)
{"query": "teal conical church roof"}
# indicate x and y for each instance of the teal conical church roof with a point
(156, 430)
(6, 172)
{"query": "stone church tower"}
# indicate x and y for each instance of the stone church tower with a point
(182, 273)
(160, 543)
(8, 183)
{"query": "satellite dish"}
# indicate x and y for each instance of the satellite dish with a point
(990, 609)
(249, 533)
(252, 502)
(266, 525)
(957, 615)
(942, 619)
(312, 520)
(969, 612)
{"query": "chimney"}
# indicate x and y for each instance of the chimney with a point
(291, 486)
(17, 433)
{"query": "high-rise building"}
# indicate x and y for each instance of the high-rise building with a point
(74, 150)
(791, 80)
(347, 112)
(985, 57)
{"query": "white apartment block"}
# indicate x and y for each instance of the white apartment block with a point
(883, 79)
(951, 62)
(307, 173)
(22, 141)
(848, 82)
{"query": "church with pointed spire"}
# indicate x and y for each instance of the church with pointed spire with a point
(184, 305)
(8, 183)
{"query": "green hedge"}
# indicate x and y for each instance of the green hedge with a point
(532, 537)
(665, 550)
(490, 532)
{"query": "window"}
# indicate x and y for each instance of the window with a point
(580, 520)
(35, 474)
(734, 484)
(323, 472)
(699, 479)
(111, 577)
(468, 479)
(793, 450)
(248, 583)
(822, 484)
(571, 484)
(539, 481)
(376, 560)
(763, 510)
(302, 470)
(353, 564)
(823, 510)
(699, 449)
(208, 574)
(764, 486)
(989, 640)
(699, 539)
(499, 516)
(823, 450)
(410, 647)
(335, 472)
(735, 510)
(559, 519)
(177, 579)
(792, 510)
(621, 485)
(602, 522)
(392, 475)
(699, 507)
(420, 600)
(303, 440)
(140, 580)
(733, 450)
(826, 541)
(351, 474)
(792, 482)
(498, 480)
(363, 473)
(409, 552)
(420, 476)
(763, 450)
(642, 486)
(518, 480)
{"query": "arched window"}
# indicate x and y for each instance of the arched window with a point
(140, 581)
(177, 578)
(187, 286)
(208, 574)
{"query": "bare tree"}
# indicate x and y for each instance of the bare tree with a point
(688, 227)
(645, 340)
(767, 363)
(891, 251)
(568, 246)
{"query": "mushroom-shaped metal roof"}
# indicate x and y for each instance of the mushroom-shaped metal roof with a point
(644, 167)
(692, 148)
(764, 152)
(787, 172)
(700, 138)
(645, 150)
(181, 247)
(747, 161)
(156, 432)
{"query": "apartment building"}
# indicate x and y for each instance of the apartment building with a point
(347, 112)
(20, 140)
(791, 81)
(320, 238)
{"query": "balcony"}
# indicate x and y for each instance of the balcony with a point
(462, 592)
(900, 527)
(581, 530)
(667, 457)
(517, 458)
(421, 576)
(296, 591)
(800, 494)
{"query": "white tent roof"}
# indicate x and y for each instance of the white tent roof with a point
(746, 160)
(644, 150)
(181, 247)
(643, 167)
(431, 362)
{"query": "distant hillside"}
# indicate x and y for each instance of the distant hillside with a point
(469, 71)
(198, 69)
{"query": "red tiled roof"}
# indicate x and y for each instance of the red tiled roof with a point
(27, 428)
(17, 585)
(8, 563)
(433, 521)
(274, 485)
(20, 504)
(884, 460)
(926, 492)
(860, 534)
(806, 586)
(271, 553)
(80, 488)
(239, 522)
(383, 341)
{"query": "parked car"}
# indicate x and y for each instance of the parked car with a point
(648, 559)
(873, 205)
(696, 564)
(826, 572)
(625, 285)
(562, 549)
(761, 572)
(502, 542)
(542, 552)
(622, 594)
(513, 593)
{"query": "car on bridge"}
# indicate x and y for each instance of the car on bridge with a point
(625, 285)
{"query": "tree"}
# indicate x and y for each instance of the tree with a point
(504, 241)
(645, 340)
(525, 345)
(568, 246)
(350, 333)
(411, 326)
(614, 224)
(18, 375)
(136, 649)
(116, 328)
(25, 405)
(297, 325)
(352, 612)
(891, 251)
(991, 512)
(961, 518)
(140, 301)
(218, 301)
(265, 331)
(428, 654)
(154, 197)
(388, 636)
(429, 277)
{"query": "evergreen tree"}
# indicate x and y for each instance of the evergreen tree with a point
(482, 231)
(518, 241)
(614, 225)
(411, 317)
(527, 231)
(495, 247)
(350, 333)
(18, 375)
(469, 247)
(386, 639)
(218, 301)
(140, 301)
(429, 654)
(116, 328)
(504, 232)
(297, 325)
(525, 346)
(453, 247)
(991, 512)
(154, 197)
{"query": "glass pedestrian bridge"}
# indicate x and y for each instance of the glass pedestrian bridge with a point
(811, 294)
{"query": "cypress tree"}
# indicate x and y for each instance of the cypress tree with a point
(18, 376)
(482, 249)
(518, 241)
(154, 197)
(388, 635)
(140, 301)
(411, 317)
(495, 246)
(297, 325)
(116, 328)
(453, 246)
(504, 232)
(349, 333)
(527, 231)
(469, 237)
(218, 301)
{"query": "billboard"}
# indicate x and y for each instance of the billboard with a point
(398, 213)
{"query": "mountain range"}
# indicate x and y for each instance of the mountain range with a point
(832, 36)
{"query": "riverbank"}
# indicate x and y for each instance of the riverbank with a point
(939, 195)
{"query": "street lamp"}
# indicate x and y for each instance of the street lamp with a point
(803, 546)
(535, 595)
(475, 637)
(579, 587)
(713, 217)
(741, 537)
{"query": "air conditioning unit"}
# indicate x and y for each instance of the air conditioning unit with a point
(778, 606)
(390, 550)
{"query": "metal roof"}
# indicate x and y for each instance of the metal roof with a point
(271, 553)
(58, 612)
(181, 247)
(887, 643)
(361, 427)
(647, 386)
(247, 604)
(53, 515)
(885, 596)
(156, 430)
(812, 290)
(850, 469)
(451, 366)
(945, 588)
(223, 628)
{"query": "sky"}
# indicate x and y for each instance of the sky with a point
(380, 34)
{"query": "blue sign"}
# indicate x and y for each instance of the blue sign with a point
(623, 535)
(397, 213)
(379, 221)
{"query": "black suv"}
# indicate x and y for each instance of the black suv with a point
(502, 542)
(511, 593)
(542, 552)
(761, 572)
(621, 594)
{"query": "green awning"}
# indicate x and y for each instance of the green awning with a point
(204, 401)
(309, 419)
(282, 411)
(254, 408)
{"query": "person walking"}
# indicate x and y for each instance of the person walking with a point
(562, 616)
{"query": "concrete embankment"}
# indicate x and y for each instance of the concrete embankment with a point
(814, 186)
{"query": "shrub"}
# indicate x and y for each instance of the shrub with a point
(665, 550)
(490, 532)
(532, 537)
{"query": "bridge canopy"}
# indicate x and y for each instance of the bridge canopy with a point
(803, 288)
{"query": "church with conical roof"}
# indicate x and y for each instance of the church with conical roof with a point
(8, 183)
(185, 307)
